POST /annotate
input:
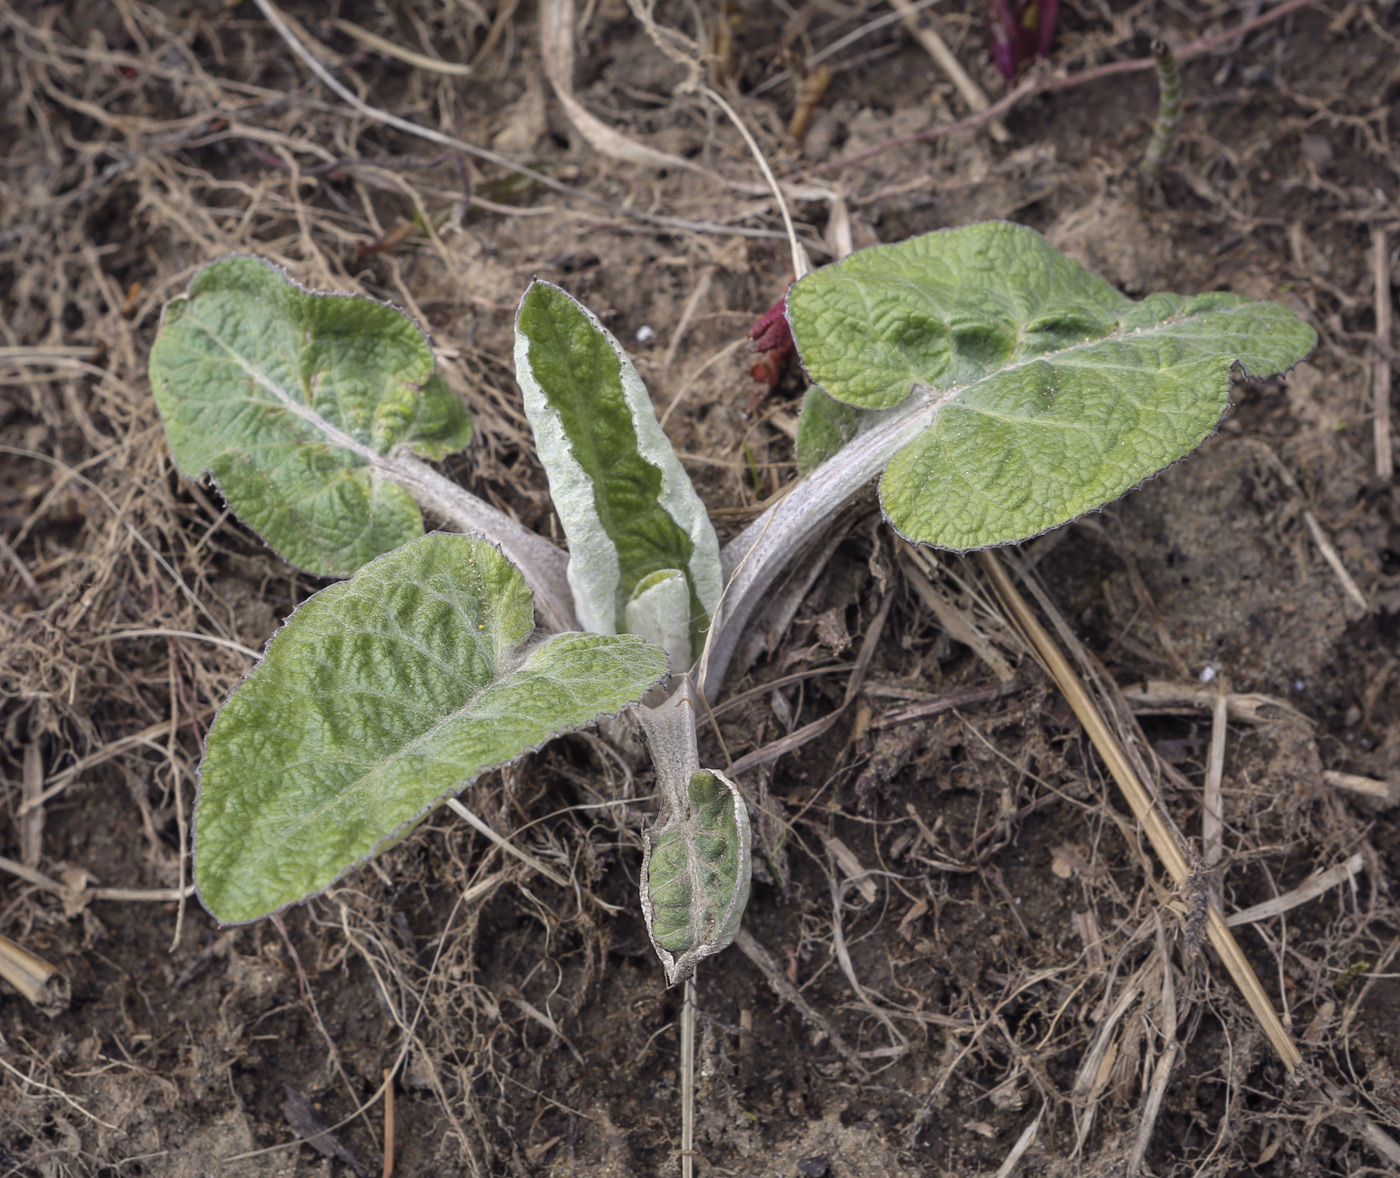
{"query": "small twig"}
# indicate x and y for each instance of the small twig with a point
(62, 1095)
(943, 58)
(113, 635)
(388, 1170)
(1241, 707)
(1212, 811)
(829, 51)
(31, 824)
(22, 569)
(1162, 1072)
(408, 56)
(787, 992)
(1309, 889)
(688, 1010)
(132, 895)
(309, 1001)
(809, 732)
(1168, 108)
(1324, 545)
(962, 697)
(801, 264)
(1023, 1143)
(1334, 561)
(1382, 791)
(1380, 268)
(38, 981)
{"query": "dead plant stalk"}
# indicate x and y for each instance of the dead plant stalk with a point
(1164, 839)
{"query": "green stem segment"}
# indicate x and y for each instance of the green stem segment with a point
(1168, 108)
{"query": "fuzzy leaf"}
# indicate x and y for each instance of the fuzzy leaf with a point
(381, 696)
(1019, 390)
(290, 400)
(659, 612)
(695, 874)
(627, 505)
(824, 427)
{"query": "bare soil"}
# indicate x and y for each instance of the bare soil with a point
(1015, 959)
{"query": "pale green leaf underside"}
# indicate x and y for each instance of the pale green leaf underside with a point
(1039, 392)
(696, 874)
(660, 611)
(824, 426)
(287, 398)
(381, 696)
(626, 504)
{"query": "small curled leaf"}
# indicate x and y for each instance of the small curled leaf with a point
(695, 874)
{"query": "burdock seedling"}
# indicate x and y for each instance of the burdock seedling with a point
(994, 387)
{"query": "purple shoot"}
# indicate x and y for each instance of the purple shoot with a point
(1023, 33)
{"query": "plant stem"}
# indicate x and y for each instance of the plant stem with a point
(542, 564)
(688, 1011)
(670, 730)
(763, 551)
(1165, 839)
(1168, 108)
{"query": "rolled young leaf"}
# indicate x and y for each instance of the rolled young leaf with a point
(696, 869)
(291, 399)
(697, 861)
(660, 611)
(626, 504)
(381, 696)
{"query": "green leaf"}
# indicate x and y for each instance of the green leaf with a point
(695, 874)
(660, 611)
(824, 427)
(381, 696)
(1019, 390)
(626, 504)
(293, 402)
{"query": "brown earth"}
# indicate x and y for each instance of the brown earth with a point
(526, 1029)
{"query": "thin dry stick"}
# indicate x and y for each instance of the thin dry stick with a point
(1381, 791)
(133, 895)
(1212, 813)
(1309, 889)
(1334, 561)
(1035, 86)
(505, 844)
(1324, 545)
(943, 58)
(388, 1123)
(746, 944)
(383, 45)
(1380, 267)
(688, 1080)
(33, 977)
(1023, 1143)
(1163, 837)
(800, 263)
(31, 825)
